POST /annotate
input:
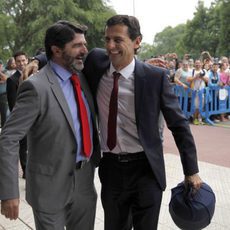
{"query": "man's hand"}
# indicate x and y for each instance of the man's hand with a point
(157, 62)
(10, 208)
(194, 180)
(30, 69)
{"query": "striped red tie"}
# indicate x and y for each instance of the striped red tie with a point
(112, 121)
(85, 129)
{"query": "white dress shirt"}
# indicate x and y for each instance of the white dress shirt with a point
(127, 137)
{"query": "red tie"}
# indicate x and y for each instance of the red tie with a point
(112, 121)
(86, 140)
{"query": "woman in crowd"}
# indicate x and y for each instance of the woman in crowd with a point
(224, 81)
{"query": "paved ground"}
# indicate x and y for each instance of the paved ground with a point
(214, 163)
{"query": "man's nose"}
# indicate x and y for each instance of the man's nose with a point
(110, 44)
(84, 49)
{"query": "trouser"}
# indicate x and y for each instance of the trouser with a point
(130, 194)
(3, 108)
(79, 213)
(23, 153)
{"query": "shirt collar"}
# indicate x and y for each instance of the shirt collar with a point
(125, 72)
(62, 73)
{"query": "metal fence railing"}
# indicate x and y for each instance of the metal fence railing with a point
(212, 101)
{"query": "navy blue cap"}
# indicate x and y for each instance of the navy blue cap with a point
(191, 211)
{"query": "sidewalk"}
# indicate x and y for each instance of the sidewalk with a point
(214, 169)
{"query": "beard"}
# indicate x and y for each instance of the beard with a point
(73, 64)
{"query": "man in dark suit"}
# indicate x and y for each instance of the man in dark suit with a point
(3, 98)
(12, 85)
(60, 167)
(132, 169)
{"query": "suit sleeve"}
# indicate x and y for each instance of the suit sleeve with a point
(21, 119)
(179, 126)
(42, 59)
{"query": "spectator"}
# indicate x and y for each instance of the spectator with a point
(226, 61)
(214, 81)
(224, 81)
(182, 75)
(191, 64)
(3, 97)
(198, 82)
(172, 69)
(13, 82)
(10, 67)
(207, 66)
(224, 74)
(213, 75)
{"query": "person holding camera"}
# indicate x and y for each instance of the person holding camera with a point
(198, 81)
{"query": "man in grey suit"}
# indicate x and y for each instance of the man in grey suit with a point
(59, 184)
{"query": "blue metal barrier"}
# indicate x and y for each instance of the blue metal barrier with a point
(217, 101)
(186, 99)
(212, 101)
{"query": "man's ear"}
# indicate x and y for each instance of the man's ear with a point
(137, 42)
(57, 52)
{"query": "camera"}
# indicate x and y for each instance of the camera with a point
(202, 74)
(214, 81)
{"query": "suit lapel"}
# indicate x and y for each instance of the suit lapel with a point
(139, 88)
(57, 91)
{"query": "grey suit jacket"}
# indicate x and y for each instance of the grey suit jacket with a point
(42, 112)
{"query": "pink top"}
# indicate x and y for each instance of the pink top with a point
(225, 78)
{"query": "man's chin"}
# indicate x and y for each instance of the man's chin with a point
(78, 67)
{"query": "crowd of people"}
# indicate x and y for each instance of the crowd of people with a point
(206, 71)
(196, 74)
(58, 110)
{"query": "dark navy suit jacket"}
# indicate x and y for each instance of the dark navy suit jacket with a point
(153, 93)
(12, 85)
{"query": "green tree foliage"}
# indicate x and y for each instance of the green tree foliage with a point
(147, 51)
(167, 41)
(197, 35)
(95, 16)
(224, 45)
(213, 27)
(24, 22)
(209, 30)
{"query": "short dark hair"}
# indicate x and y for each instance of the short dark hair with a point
(9, 63)
(19, 53)
(130, 21)
(61, 33)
